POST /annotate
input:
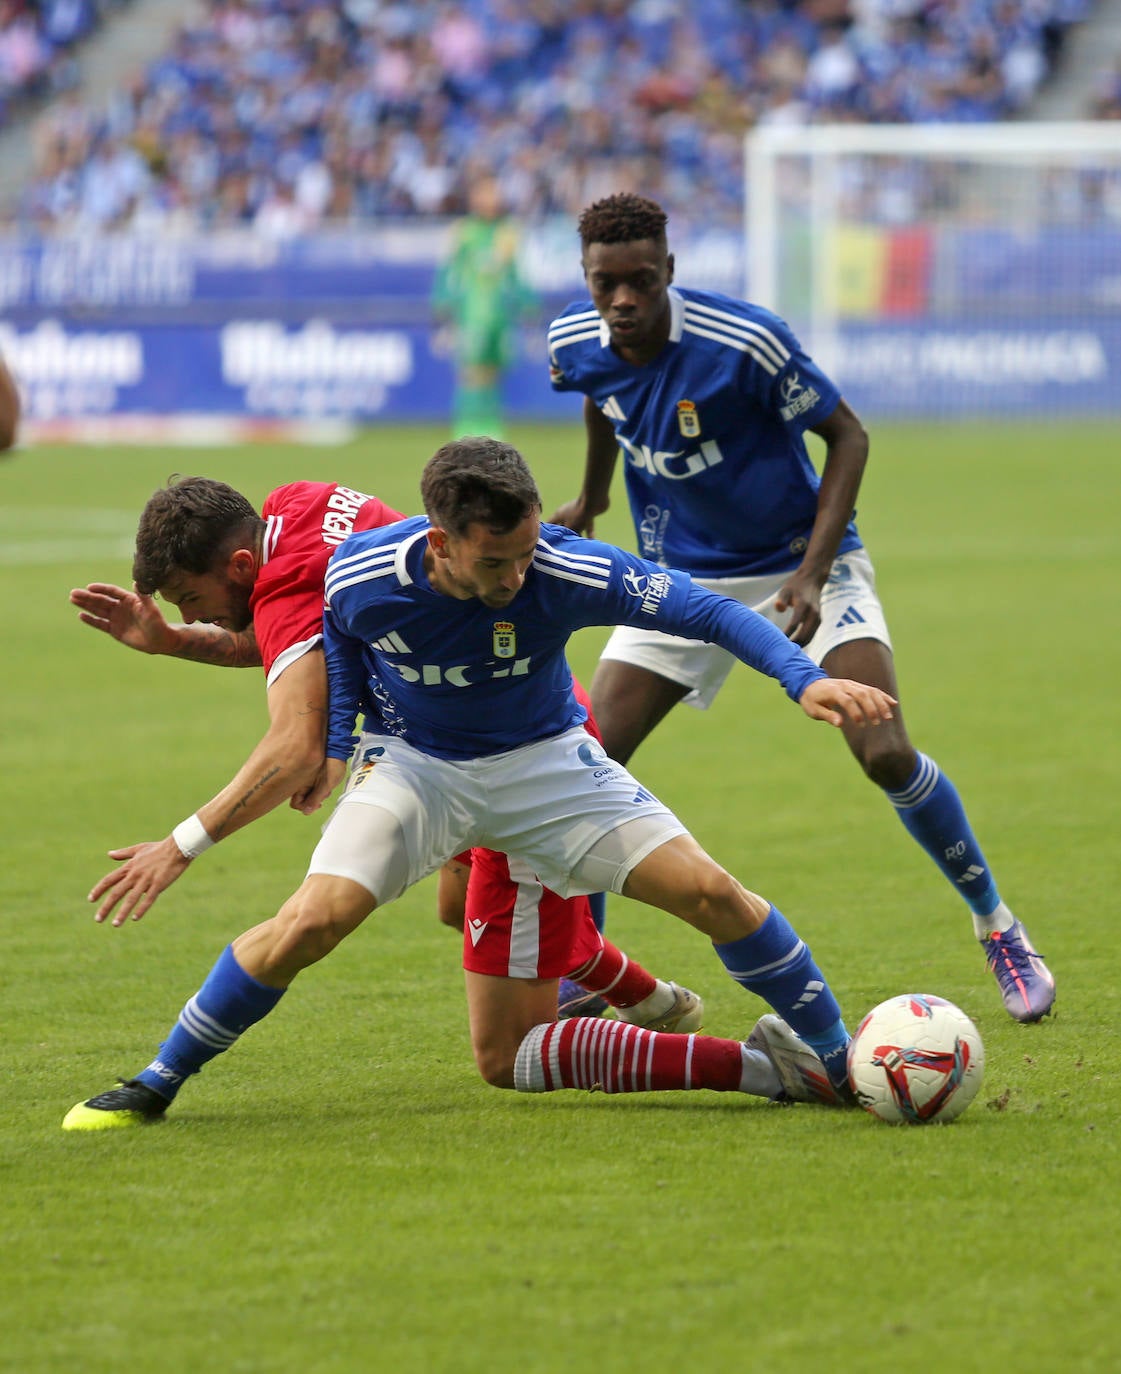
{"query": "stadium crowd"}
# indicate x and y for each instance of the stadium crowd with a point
(283, 114)
(38, 41)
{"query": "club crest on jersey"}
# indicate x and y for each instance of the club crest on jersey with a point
(688, 421)
(505, 641)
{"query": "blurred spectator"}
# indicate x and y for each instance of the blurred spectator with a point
(37, 42)
(290, 112)
(1106, 101)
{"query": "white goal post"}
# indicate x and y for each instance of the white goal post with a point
(945, 270)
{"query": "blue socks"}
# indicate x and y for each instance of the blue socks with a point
(776, 965)
(226, 1005)
(931, 810)
(598, 903)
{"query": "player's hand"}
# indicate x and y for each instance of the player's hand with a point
(146, 870)
(801, 596)
(839, 699)
(325, 781)
(576, 515)
(132, 619)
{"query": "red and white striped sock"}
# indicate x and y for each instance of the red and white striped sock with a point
(615, 977)
(614, 1057)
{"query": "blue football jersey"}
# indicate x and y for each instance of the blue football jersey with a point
(711, 432)
(462, 680)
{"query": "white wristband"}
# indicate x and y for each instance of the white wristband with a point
(191, 837)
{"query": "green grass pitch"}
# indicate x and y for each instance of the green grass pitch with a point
(342, 1193)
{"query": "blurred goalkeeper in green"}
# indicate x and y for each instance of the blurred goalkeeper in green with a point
(480, 295)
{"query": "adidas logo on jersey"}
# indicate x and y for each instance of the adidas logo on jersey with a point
(391, 643)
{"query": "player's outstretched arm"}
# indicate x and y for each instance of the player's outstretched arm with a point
(136, 621)
(595, 496)
(838, 699)
(286, 763)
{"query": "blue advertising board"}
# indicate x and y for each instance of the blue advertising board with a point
(340, 326)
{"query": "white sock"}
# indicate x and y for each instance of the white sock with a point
(759, 1076)
(999, 919)
(655, 1004)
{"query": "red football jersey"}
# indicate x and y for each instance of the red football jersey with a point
(305, 522)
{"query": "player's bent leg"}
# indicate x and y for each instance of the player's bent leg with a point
(628, 702)
(610, 1057)
(757, 945)
(679, 877)
(227, 1004)
(244, 986)
(310, 924)
(633, 993)
(614, 1057)
(502, 1012)
(930, 809)
(886, 753)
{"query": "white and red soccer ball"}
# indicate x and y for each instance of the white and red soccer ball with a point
(916, 1058)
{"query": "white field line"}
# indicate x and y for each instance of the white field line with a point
(63, 534)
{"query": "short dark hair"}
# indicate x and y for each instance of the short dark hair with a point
(478, 481)
(623, 218)
(190, 526)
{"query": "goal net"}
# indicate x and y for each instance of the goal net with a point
(945, 270)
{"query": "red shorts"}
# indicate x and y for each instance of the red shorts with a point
(515, 928)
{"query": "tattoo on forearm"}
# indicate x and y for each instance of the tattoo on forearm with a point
(240, 805)
(218, 647)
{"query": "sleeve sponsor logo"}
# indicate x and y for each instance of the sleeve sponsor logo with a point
(650, 587)
(796, 398)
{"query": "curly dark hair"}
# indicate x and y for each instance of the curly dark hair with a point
(478, 481)
(190, 526)
(623, 218)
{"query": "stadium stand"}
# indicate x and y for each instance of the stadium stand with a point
(40, 41)
(285, 114)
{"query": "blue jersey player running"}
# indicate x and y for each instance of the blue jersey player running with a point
(451, 630)
(707, 398)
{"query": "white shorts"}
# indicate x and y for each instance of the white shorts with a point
(850, 609)
(579, 820)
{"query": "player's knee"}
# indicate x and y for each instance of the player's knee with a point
(717, 891)
(722, 907)
(496, 1065)
(307, 934)
(313, 921)
(888, 763)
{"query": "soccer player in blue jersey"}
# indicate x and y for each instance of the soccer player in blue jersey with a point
(708, 398)
(449, 630)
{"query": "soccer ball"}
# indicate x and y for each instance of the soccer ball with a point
(916, 1058)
